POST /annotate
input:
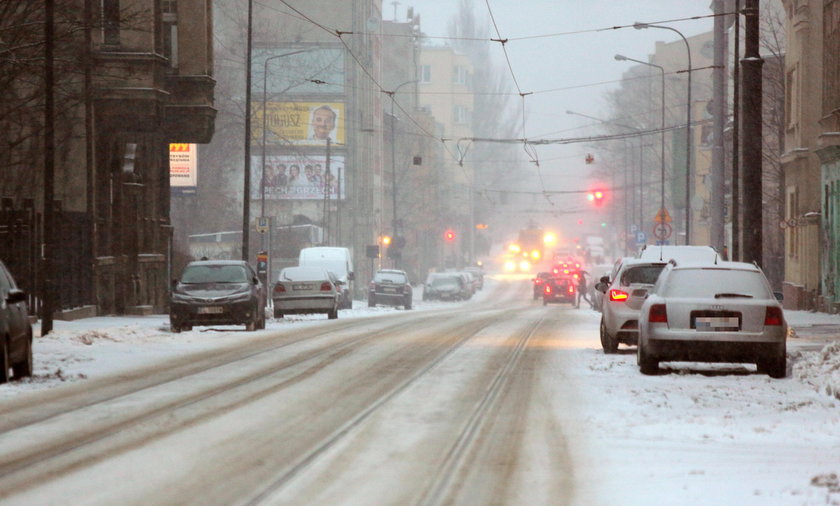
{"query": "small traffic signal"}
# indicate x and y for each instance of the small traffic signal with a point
(596, 197)
(449, 235)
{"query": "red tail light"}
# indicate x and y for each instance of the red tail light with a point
(618, 295)
(773, 316)
(547, 290)
(279, 288)
(326, 286)
(658, 314)
(571, 289)
(538, 281)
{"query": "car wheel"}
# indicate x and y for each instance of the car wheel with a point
(775, 367)
(4, 361)
(536, 296)
(545, 301)
(608, 342)
(371, 302)
(408, 305)
(279, 314)
(647, 365)
(23, 369)
(332, 314)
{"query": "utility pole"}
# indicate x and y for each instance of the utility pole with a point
(751, 120)
(246, 194)
(48, 276)
(736, 139)
(719, 119)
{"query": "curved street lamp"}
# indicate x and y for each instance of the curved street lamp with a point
(641, 26)
(662, 127)
(393, 161)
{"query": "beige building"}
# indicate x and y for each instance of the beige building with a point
(811, 159)
(445, 90)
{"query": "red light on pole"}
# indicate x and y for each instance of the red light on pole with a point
(449, 235)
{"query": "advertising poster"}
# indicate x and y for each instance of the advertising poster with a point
(290, 177)
(300, 123)
(183, 166)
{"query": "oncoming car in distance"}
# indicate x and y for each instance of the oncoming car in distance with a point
(217, 292)
(724, 312)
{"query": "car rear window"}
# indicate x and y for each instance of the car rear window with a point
(444, 281)
(214, 274)
(389, 277)
(711, 282)
(303, 274)
(641, 274)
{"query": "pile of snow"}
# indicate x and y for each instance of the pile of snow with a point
(821, 369)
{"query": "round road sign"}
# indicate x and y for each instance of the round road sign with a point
(662, 231)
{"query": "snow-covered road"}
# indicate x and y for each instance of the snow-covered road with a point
(496, 401)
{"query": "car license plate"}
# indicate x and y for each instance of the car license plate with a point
(211, 310)
(716, 323)
(300, 286)
(389, 290)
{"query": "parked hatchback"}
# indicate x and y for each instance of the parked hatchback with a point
(446, 286)
(390, 287)
(15, 330)
(724, 312)
(303, 290)
(217, 292)
(622, 298)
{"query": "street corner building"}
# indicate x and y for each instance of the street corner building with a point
(130, 78)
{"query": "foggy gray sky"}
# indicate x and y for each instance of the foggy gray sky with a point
(566, 61)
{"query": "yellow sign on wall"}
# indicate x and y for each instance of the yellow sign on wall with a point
(300, 123)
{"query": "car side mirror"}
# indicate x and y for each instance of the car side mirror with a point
(256, 281)
(605, 280)
(779, 296)
(601, 287)
(174, 283)
(16, 295)
(351, 276)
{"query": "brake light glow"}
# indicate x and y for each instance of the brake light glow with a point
(571, 289)
(538, 281)
(547, 290)
(326, 286)
(279, 288)
(773, 316)
(618, 295)
(658, 314)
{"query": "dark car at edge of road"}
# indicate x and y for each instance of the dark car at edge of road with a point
(217, 292)
(390, 287)
(15, 330)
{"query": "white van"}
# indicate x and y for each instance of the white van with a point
(336, 260)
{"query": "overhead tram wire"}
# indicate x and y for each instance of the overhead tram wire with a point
(532, 153)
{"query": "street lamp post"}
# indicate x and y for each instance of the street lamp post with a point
(393, 162)
(642, 26)
(662, 127)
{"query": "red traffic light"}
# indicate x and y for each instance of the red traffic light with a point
(596, 197)
(449, 235)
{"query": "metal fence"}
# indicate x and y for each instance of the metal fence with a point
(21, 234)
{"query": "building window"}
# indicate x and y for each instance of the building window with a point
(792, 211)
(460, 75)
(170, 31)
(425, 73)
(460, 115)
(792, 98)
(111, 22)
